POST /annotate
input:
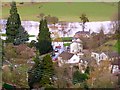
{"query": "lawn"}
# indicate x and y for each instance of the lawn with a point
(65, 11)
(108, 46)
(66, 44)
(66, 39)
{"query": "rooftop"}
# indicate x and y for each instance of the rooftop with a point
(66, 55)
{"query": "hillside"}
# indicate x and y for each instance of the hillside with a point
(65, 11)
(108, 46)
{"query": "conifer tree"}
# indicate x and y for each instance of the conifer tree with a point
(14, 31)
(13, 23)
(41, 72)
(21, 37)
(44, 40)
(48, 71)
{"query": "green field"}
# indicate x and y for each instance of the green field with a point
(65, 11)
(108, 46)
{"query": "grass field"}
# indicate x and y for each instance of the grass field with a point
(65, 11)
(108, 46)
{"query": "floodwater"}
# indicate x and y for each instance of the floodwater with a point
(32, 27)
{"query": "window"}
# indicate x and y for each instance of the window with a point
(74, 59)
(99, 57)
(102, 58)
(95, 55)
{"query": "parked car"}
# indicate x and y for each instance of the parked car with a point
(56, 50)
(58, 47)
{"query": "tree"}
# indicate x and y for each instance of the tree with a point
(21, 37)
(63, 75)
(84, 19)
(44, 40)
(13, 23)
(51, 20)
(41, 72)
(101, 76)
(32, 44)
(41, 15)
(54, 20)
(87, 71)
(35, 73)
(101, 36)
(11, 75)
(48, 18)
(9, 52)
(14, 31)
(79, 77)
(48, 70)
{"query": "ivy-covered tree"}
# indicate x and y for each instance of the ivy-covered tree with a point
(13, 23)
(44, 40)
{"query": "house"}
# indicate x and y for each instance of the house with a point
(68, 58)
(95, 55)
(82, 34)
(86, 61)
(112, 55)
(76, 46)
(93, 34)
(114, 65)
(105, 56)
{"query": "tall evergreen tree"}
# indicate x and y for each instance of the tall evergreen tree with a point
(13, 23)
(48, 70)
(44, 40)
(14, 31)
(41, 72)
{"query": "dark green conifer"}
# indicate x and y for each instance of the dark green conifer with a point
(15, 33)
(44, 40)
(13, 23)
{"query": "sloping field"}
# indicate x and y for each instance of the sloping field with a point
(65, 11)
(108, 46)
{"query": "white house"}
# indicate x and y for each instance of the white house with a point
(98, 56)
(95, 55)
(68, 58)
(76, 46)
(115, 66)
(74, 59)
(104, 56)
